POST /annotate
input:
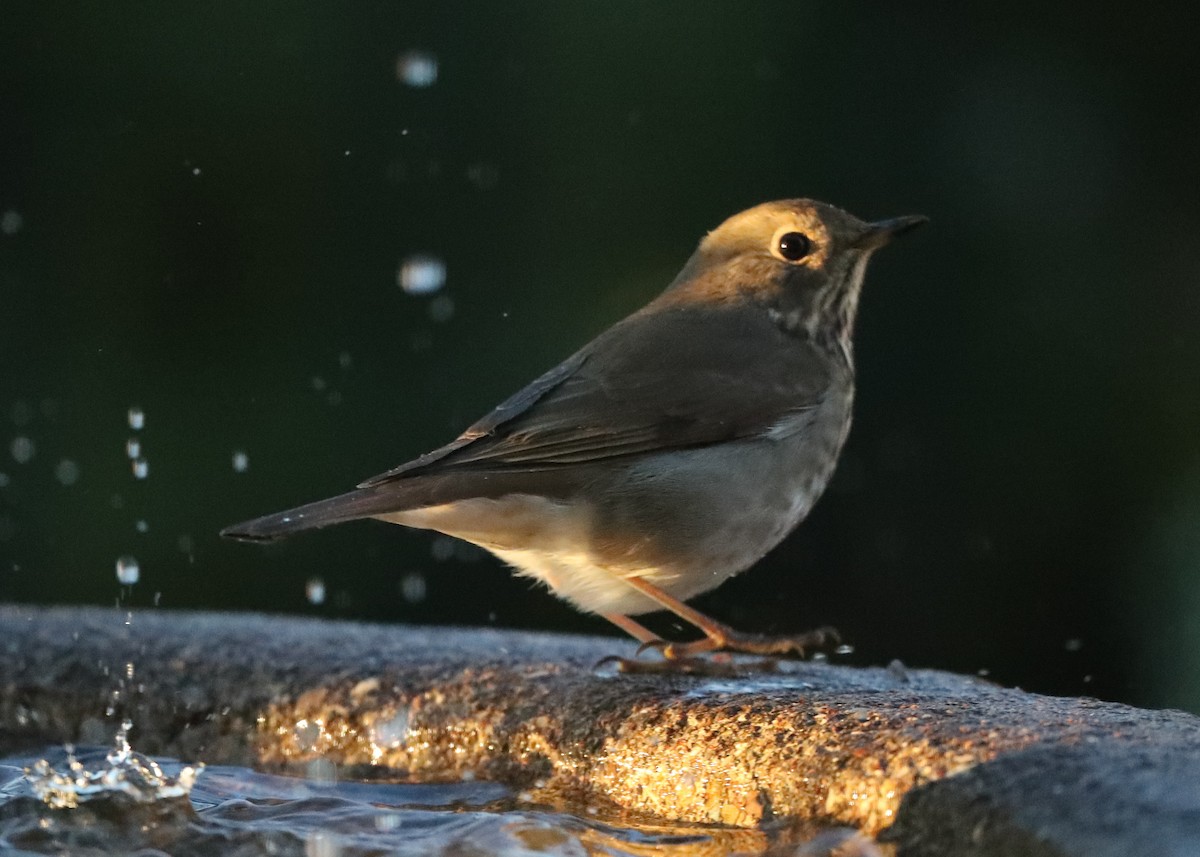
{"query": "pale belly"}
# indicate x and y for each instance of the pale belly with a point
(685, 521)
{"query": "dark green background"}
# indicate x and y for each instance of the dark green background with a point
(1021, 491)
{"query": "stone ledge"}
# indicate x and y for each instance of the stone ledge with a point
(819, 742)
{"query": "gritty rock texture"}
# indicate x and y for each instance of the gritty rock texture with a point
(1095, 799)
(819, 742)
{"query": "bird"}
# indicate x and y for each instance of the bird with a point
(671, 452)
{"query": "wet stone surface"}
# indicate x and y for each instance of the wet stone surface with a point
(868, 748)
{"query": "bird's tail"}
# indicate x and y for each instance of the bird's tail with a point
(361, 503)
(395, 495)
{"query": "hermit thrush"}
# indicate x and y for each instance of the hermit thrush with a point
(673, 450)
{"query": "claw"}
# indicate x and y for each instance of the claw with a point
(660, 645)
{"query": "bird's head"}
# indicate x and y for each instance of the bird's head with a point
(800, 259)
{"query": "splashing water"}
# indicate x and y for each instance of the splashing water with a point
(126, 772)
(137, 418)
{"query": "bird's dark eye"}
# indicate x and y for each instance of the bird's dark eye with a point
(794, 246)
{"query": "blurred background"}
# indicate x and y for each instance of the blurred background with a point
(251, 254)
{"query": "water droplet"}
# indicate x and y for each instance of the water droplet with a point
(413, 588)
(417, 69)
(67, 472)
(22, 449)
(141, 468)
(1073, 645)
(345, 360)
(142, 527)
(137, 418)
(133, 447)
(314, 590)
(441, 308)
(421, 275)
(128, 571)
(12, 221)
(5, 481)
(241, 461)
(195, 171)
(318, 383)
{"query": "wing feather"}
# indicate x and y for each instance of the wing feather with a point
(677, 378)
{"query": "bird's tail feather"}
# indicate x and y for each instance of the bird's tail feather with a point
(379, 498)
(362, 503)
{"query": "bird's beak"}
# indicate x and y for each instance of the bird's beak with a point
(883, 231)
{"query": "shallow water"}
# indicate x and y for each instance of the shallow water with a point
(235, 811)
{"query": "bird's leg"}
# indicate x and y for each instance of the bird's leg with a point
(674, 665)
(720, 637)
(634, 629)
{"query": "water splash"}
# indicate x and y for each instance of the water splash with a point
(125, 772)
(137, 418)
(241, 461)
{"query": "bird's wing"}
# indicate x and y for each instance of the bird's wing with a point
(677, 378)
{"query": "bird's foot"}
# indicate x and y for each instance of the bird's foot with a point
(722, 638)
(718, 666)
